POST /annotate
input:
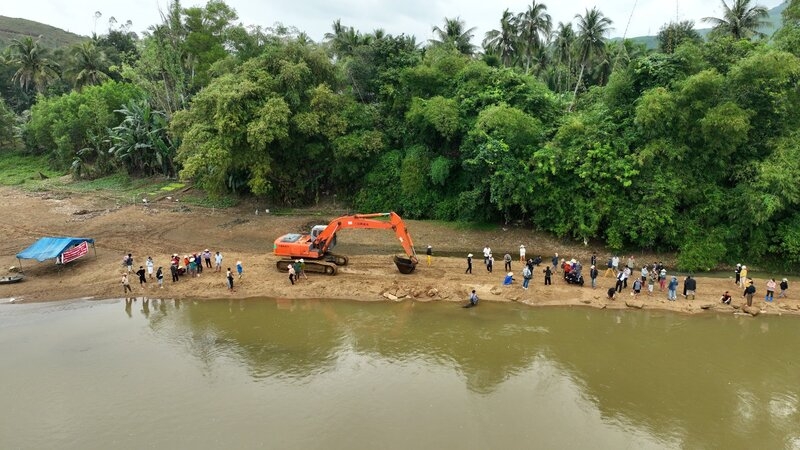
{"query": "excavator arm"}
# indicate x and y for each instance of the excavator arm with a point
(370, 221)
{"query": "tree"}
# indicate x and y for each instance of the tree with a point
(673, 34)
(563, 49)
(535, 25)
(140, 142)
(89, 65)
(455, 33)
(592, 28)
(35, 69)
(503, 42)
(345, 40)
(740, 20)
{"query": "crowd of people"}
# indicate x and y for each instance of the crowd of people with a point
(648, 276)
(190, 266)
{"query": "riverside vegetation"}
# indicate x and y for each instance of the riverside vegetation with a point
(691, 147)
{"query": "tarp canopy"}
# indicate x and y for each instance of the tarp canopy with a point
(50, 247)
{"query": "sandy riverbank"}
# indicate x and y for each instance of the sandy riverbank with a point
(162, 228)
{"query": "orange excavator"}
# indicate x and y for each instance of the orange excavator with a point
(315, 248)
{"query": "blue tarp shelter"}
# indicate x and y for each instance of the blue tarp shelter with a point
(51, 247)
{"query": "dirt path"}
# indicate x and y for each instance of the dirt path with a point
(166, 227)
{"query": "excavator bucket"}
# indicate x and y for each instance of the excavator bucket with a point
(404, 265)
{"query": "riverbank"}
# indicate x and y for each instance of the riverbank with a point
(168, 226)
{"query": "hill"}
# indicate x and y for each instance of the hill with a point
(773, 23)
(51, 37)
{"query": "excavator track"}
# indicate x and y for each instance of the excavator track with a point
(311, 266)
(339, 260)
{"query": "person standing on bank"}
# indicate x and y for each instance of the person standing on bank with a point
(229, 277)
(486, 252)
(149, 264)
(507, 261)
(126, 284)
(547, 275)
(784, 288)
(490, 263)
(469, 264)
(770, 290)
(526, 277)
(691, 287)
(593, 272)
(160, 277)
(142, 278)
(429, 252)
(521, 253)
(749, 292)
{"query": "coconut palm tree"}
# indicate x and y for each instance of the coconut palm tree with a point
(344, 40)
(455, 33)
(35, 69)
(503, 42)
(741, 21)
(591, 41)
(535, 25)
(563, 52)
(89, 64)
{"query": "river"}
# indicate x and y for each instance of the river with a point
(302, 374)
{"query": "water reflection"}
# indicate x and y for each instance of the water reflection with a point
(674, 377)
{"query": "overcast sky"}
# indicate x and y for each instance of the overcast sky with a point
(415, 17)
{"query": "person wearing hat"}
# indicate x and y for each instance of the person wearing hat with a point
(521, 253)
(743, 276)
(469, 263)
(509, 279)
(784, 287)
(737, 272)
(749, 291)
(429, 252)
(593, 272)
(672, 289)
(207, 258)
(302, 269)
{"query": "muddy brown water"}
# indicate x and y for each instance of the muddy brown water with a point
(267, 373)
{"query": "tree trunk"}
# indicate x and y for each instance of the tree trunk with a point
(575, 94)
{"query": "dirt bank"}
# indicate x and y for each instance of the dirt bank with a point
(168, 226)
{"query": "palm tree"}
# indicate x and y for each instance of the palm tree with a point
(503, 42)
(89, 65)
(454, 34)
(563, 49)
(591, 42)
(741, 21)
(535, 24)
(35, 70)
(344, 40)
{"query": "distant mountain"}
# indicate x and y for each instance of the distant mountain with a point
(774, 22)
(51, 37)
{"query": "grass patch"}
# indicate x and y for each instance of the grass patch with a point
(222, 202)
(18, 169)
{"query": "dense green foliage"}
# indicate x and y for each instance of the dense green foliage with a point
(693, 147)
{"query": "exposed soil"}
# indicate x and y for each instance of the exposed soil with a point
(167, 226)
